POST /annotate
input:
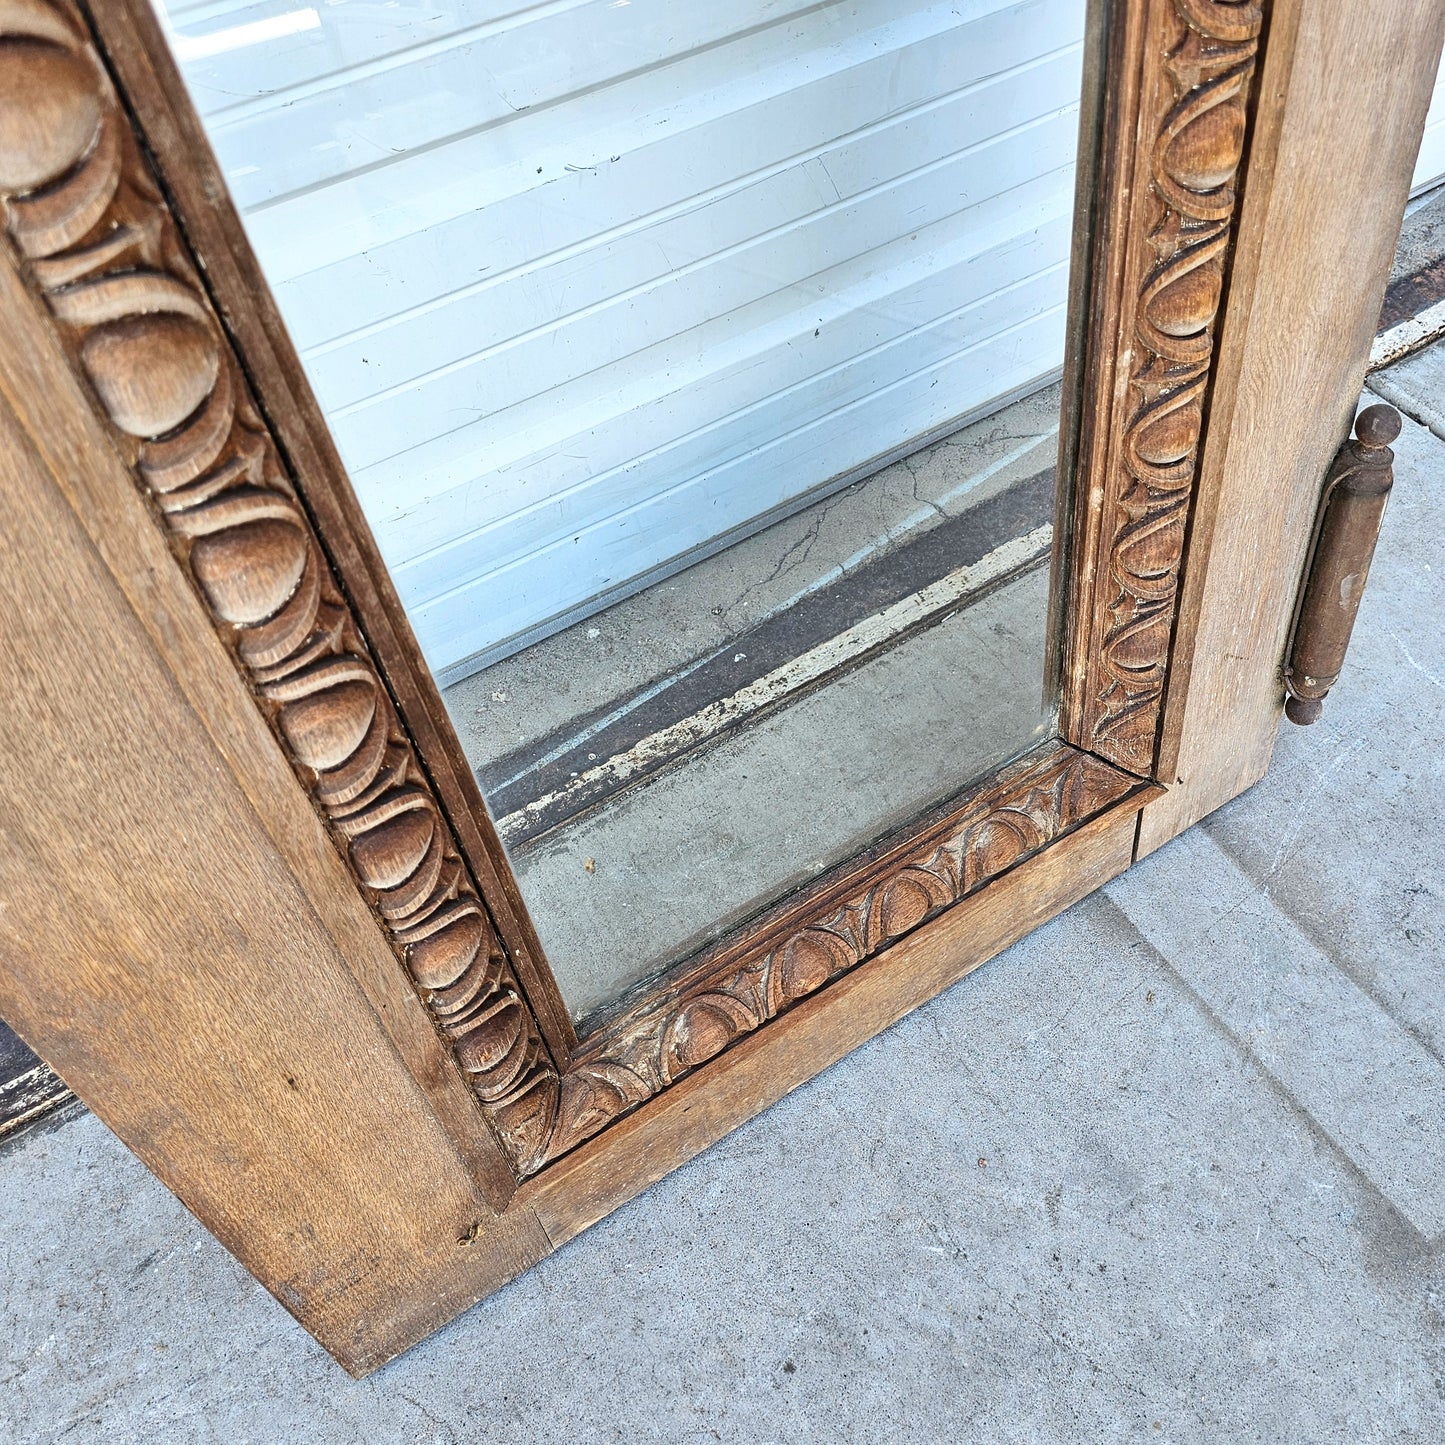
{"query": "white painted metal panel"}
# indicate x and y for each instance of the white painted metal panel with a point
(586, 286)
(1430, 163)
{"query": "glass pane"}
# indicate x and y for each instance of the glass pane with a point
(697, 369)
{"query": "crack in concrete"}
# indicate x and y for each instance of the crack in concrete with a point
(789, 559)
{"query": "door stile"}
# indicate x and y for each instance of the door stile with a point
(1343, 96)
(179, 939)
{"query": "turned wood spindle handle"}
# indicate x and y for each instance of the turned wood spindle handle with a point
(1347, 528)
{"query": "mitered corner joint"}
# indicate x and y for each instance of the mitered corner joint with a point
(1347, 527)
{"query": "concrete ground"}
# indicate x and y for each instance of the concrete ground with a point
(634, 884)
(637, 884)
(661, 630)
(1170, 1169)
(1422, 237)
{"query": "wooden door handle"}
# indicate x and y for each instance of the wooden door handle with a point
(1347, 526)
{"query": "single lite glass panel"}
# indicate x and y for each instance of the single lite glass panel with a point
(696, 367)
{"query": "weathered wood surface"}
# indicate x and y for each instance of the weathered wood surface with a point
(185, 939)
(1342, 99)
(92, 236)
(163, 956)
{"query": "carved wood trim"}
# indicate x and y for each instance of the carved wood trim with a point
(800, 947)
(1166, 250)
(94, 238)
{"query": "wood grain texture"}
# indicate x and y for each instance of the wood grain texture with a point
(678, 1123)
(1175, 127)
(1343, 95)
(164, 957)
(94, 237)
(807, 944)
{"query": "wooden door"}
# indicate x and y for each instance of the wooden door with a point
(256, 914)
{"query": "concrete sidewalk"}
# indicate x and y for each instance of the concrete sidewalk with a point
(1172, 1168)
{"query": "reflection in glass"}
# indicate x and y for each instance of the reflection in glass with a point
(693, 365)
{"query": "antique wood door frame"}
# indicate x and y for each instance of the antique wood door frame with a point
(206, 930)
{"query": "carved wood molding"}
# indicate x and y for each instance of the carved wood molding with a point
(1196, 72)
(793, 952)
(93, 236)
